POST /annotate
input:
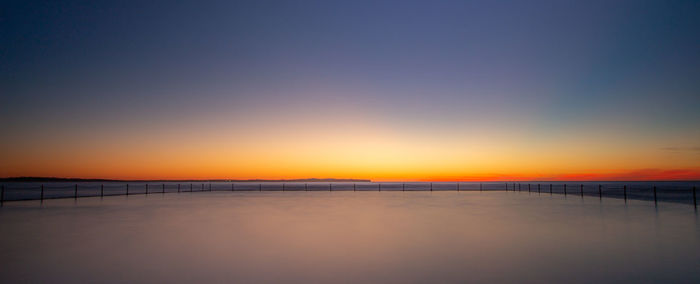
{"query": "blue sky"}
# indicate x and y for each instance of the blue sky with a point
(73, 70)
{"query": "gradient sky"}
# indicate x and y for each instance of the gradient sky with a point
(385, 90)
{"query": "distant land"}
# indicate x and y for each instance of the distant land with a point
(55, 179)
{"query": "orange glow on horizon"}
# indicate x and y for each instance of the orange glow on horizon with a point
(637, 175)
(348, 146)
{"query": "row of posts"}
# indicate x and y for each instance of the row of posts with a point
(600, 192)
(354, 188)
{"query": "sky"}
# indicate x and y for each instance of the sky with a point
(381, 90)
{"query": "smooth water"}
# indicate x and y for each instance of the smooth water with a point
(349, 237)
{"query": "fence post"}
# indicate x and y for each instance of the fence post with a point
(233, 187)
(163, 190)
(353, 187)
(146, 188)
(210, 187)
(42, 192)
(306, 187)
(624, 192)
(260, 187)
(655, 195)
(178, 188)
(581, 190)
(102, 190)
(600, 191)
(127, 189)
(481, 187)
(380, 186)
(2, 194)
(528, 187)
(330, 187)
(283, 185)
(431, 186)
(457, 186)
(75, 194)
(538, 188)
(550, 189)
(695, 201)
(190, 187)
(403, 187)
(506, 186)
(518, 186)
(564, 189)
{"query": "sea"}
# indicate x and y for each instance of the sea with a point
(345, 233)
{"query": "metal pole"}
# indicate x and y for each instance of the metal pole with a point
(695, 200)
(654, 195)
(353, 187)
(564, 189)
(550, 189)
(190, 187)
(102, 190)
(42, 192)
(600, 191)
(75, 195)
(431, 186)
(528, 187)
(127, 189)
(163, 190)
(624, 192)
(2, 194)
(581, 190)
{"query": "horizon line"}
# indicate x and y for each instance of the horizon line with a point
(48, 179)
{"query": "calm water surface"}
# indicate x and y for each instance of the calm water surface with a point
(349, 237)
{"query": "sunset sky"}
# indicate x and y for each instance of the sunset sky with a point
(381, 90)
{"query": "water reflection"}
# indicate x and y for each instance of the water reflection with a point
(348, 237)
